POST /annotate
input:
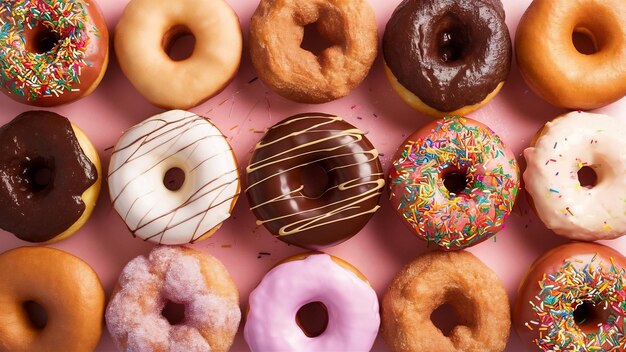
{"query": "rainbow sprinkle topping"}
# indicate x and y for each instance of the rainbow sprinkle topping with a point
(34, 75)
(455, 221)
(562, 292)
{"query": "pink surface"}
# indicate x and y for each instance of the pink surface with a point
(244, 110)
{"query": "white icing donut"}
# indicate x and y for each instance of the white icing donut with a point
(565, 145)
(142, 156)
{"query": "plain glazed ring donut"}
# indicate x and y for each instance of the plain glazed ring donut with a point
(454, 182)
(554, 68)
(51, 177)
(173, 178)
(182, 276)
(148, 28)
(561, 149)
(350, 302)
(573, 298)
(458, 279)
(447, 57)
(51, 52)
(282, 200)
(276, 34)
(64, 286)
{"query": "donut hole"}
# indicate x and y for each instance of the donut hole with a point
(587, 177)
(41, 39)
(584, 41)
(174, 179)
(313, 41)
(179, 43)
(173, 312)
(455, 180)
(588, 316)
(314, 180)
(452, 39)
(36, 314)
(38, 174)
(445, 318)
(312, 318)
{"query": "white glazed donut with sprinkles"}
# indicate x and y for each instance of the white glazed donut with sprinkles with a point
(562, 148)
(52, 52)
(173, 178)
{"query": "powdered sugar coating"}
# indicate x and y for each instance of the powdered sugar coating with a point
(134, 316)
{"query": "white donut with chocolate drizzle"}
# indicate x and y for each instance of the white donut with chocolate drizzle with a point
(282, 200)
(202, 195)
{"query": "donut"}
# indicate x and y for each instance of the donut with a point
(173, 178)
(447, 57)
(149, 28)
(573, 299)
(555, 69)
(454, 182)
(435, 279)
(63, 286)
(52, 52)
(179, 275)
(288, 205)
(561, 149)
(51, 174)
(277, 32)
(350, 302)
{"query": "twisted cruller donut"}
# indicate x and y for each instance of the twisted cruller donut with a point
(555, 69)
(51, 51)
(171, 142)
(437, 278)
(180, 275)
(67, 289)
(573, 298)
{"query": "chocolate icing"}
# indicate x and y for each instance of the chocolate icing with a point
(449, 53)
(277, 193)
(43, 174)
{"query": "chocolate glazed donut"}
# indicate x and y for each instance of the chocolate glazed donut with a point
(448, 53)
(280, 194)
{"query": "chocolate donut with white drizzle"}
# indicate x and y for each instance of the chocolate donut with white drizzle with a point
(287, 204)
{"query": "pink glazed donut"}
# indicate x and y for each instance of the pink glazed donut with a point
(351, 304)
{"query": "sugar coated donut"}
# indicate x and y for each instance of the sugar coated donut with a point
(183, 276)
(573, 299)
(454, 182)
(282, 199)
(555, 69)
(447, 57)
(562, 148)
(458, 279)
(277, 31)
(63, 286)
(173, 178)
(350, 301)
(147, 30)
(51, 52)
(51, 177)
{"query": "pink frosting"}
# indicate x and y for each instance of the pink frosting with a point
(352, 305)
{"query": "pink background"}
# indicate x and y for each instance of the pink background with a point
(244, 110)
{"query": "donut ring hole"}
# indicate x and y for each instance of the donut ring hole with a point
(179, 43)
(588, 316)
(41, 39)
(36, 314)
(37, 174)
(453, 39)
(312, 318)
(322, 33)
(173, 312)
(453, 309)
(584, 41)
(455, 180)
(314, 180)
(587, 177)
(445, 318)
(313, 41)
(174, 179)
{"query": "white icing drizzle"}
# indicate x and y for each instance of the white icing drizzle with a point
(567, 144)
(142, 156)
(348, 207)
